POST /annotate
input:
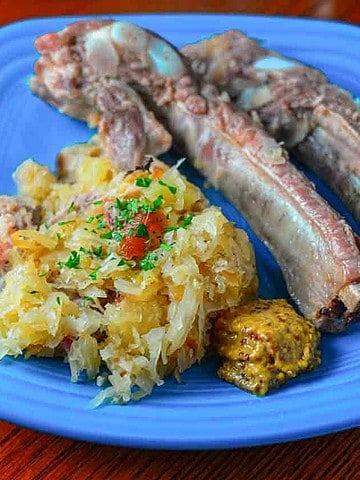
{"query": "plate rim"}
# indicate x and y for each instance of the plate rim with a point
(160, 443)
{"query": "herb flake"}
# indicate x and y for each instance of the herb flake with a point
(158, 202)
(148, 262)
(97, 251)
(117, 236)
(142, 231)
(108, 235)
(73, 261)
(144, 182)
(186, 222)
(125, 262)
(93, 274)
(172, 188)
(166, 247)
(66, 222)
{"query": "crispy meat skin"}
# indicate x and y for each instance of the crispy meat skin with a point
(238, 157)
(318, 121)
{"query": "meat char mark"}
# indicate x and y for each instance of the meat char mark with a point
(317, 121)
(314, 247)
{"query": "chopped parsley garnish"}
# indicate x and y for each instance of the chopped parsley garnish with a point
(184, 223)
(93, 274)
(58, 235)
(138, 218)
(158, 202)
(146, 206)
(117, 222)
(58, 300)
(119, 204)
(128, 208)
(100, 225)
(187, 220)
(87, 300)
(133, 205)
(143, 182)
(117, 236)
(171, 228)
(108, 235)
(166, 247)
(171, 188)
(33, 292)
(142, 231)
(42, 274)
(66, 222)
(125, 262)
(73, 261)
(97, 251)
(72, 207)
(147, 263)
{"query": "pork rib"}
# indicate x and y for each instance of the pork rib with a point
(314, 247)
(128, 128)
(318, 121)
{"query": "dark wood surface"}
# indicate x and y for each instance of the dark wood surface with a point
(29, 455)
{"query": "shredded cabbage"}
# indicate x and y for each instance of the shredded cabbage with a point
(72, 291)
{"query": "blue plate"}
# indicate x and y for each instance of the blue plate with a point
(203, 412)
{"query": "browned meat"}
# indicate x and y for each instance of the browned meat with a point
(295, 103)
(130, 131)
(15, 214)
(315, 248)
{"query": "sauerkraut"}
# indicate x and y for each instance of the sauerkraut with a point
(123, 272)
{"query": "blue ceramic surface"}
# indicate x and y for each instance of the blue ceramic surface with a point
(203, 412)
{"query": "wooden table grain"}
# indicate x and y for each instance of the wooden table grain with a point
(30, 455)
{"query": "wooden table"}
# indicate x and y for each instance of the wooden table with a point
(28, 455)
